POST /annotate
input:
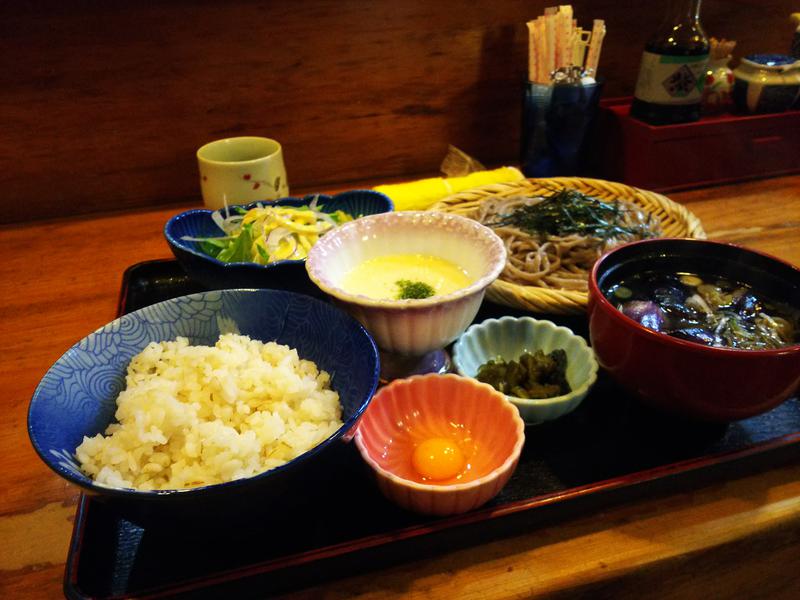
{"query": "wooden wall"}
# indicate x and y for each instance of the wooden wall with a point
(103, 104)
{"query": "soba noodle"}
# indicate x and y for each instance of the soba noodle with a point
(555, 261)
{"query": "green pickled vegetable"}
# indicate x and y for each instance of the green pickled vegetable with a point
(536, 375)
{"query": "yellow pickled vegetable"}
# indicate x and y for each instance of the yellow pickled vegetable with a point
(422, 194)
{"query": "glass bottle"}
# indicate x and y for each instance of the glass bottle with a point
(672, 73)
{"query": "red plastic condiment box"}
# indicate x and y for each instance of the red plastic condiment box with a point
(713, 150)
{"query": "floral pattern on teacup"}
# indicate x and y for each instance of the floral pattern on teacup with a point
(257, 183)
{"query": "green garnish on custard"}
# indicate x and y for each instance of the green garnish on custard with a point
(414, 290)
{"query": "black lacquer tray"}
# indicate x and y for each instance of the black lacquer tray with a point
(608, 450)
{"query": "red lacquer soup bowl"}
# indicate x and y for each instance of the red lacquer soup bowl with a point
(685, 377)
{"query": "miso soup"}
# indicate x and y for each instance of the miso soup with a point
(706, 309)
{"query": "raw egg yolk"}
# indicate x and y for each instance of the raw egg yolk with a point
(438, 458)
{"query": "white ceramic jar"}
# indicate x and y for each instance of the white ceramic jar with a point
(765, 83)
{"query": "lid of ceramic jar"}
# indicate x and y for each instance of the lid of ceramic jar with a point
(777, 62)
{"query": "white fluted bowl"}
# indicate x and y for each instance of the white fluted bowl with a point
(507, 338)
(410, 327)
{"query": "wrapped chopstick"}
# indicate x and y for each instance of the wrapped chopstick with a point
(559, 50)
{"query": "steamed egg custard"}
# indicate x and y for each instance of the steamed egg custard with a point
(402, 276)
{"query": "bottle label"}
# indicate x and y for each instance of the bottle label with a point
(666, 79)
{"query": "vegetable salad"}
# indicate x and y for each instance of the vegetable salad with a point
(266, 234)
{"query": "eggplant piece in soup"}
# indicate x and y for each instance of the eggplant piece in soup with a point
(706, 309)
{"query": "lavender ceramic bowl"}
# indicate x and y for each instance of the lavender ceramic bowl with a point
(410, 327)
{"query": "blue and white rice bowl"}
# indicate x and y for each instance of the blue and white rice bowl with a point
(77, 395)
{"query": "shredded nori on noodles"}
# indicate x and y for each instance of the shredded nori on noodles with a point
(569, 212)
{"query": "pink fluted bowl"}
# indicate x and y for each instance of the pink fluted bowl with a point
(410, 327)
(485, 425)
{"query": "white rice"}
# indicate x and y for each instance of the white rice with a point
(199, 415)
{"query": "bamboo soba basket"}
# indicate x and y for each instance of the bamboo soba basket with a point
(675, 219)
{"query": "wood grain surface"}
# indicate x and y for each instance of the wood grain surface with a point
(735, 539)
(103, 104)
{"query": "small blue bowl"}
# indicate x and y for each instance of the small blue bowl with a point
(507, 338)
(77, 396)
(285, 274)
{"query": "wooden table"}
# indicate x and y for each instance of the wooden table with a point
(735, 539)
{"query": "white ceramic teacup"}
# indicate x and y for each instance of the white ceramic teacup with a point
(240, 170)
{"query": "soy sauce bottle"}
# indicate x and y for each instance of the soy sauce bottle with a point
(672, 73)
